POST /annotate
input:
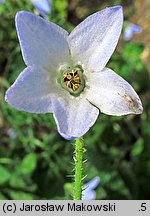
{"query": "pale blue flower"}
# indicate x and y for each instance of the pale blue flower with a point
(130, 30)
(2, 1)
(88, 192)
(43, 6)
(11, 133)
(66, 74)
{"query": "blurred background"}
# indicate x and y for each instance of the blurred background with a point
(35, 161)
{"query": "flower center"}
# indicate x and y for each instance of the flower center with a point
(71, 79)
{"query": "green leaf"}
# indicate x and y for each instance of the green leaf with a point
(28, 164)
(138, 148)
(17, 181)
(4, 175)
(2, 197)
(21, 195)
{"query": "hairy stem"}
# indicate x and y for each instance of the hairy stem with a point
(78, 168)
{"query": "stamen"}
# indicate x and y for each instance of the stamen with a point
(72, 79)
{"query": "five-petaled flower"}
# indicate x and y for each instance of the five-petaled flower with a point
(2, 1)
(130, 30)
(66, 74)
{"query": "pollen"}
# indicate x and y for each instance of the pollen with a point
(72, 79)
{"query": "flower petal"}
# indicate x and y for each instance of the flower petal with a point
(42, 42)
(112, 94)
(74, 117)
(88, 195)
(32, 91)
(94, 40)
(92, 184)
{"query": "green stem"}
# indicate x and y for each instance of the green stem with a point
(78, 168)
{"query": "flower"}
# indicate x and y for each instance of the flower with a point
(11, 133)
(88, 192)
(130, 30)
(2, 1)
(66, 75)
(43, 6)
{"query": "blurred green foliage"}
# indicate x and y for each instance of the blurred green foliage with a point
(36, 163)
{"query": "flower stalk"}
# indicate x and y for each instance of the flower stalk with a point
(79, 150)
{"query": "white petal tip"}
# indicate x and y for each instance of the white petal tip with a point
(19, 14)
(18, 17)
(66, 136)
(139, 109)
(118, 7)
(134, 104)
(7, 96)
